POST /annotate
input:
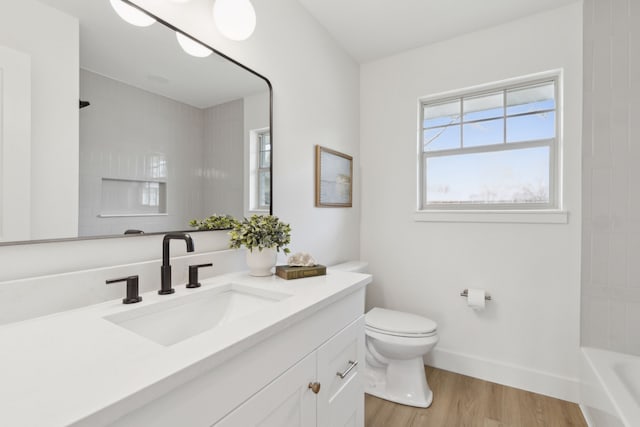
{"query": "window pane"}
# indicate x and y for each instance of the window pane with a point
(265, 150)
(443, 138)
(483, 133)
(443, 114)
(265, 159)
(265, 141)
(264, 193)
(530, 99)
(509, 176)
(531, 127)
(483, 107)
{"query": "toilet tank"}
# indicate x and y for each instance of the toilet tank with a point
(352, 266)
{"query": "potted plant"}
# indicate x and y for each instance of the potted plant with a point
(264, 236)
(214, 222)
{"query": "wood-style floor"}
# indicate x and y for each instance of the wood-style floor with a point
(465, 401)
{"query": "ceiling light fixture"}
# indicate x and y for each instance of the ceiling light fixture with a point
(192, 47)
(131, 14)
(235, 19)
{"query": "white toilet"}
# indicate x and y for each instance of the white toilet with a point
(394, 368)
(395, 344)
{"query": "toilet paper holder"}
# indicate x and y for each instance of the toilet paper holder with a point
(465, 293)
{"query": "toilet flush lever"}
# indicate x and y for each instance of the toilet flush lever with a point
(352, 364)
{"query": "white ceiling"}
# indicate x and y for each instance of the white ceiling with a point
(373, 29)
(151, 59)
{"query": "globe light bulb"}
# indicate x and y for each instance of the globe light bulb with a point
(192, 47)
(235, 19)
(131, 15)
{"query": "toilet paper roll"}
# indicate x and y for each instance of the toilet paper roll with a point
(476, 299)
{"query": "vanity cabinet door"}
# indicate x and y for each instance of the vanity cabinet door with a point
(286, 402)
(341, 400)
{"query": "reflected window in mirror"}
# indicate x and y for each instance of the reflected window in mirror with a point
(264, 170)
(260, 171)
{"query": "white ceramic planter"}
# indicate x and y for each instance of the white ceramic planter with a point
(260, 262)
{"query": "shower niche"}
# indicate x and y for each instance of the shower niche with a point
(128, 197)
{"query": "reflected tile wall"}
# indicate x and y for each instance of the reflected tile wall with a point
(128, 133)
(611, 177)
(224, 153)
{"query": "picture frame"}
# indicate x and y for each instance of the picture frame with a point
(334, 178)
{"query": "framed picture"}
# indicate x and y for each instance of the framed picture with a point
(334, 178)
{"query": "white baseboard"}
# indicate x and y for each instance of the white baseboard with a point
(541, 382)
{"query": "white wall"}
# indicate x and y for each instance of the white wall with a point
(528, 336)
(611, 201)
(315, 96)
(315, 102)
(51, 40)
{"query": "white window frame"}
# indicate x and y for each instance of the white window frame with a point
(497, 212)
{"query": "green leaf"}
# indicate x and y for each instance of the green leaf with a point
(260, 231)
(214, 222)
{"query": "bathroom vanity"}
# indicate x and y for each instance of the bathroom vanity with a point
(238, 351)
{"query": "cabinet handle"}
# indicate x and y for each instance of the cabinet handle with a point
(352, 365)
(315, 387)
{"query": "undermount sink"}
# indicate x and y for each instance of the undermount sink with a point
(170, 322)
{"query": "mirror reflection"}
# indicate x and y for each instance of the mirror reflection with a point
(110, 128)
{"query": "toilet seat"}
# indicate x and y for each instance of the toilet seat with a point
(396, 323)
(399, 334)
(401, 340)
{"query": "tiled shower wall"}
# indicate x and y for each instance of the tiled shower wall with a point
(223, 157)
(611, 174)
(124, 135)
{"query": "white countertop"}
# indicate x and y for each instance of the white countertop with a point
(58, 369)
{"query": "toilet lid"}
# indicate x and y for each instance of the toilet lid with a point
(397, 322)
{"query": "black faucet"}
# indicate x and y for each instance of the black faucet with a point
(165, 279)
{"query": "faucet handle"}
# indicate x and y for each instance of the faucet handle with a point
(133, 295)
(193, 275)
